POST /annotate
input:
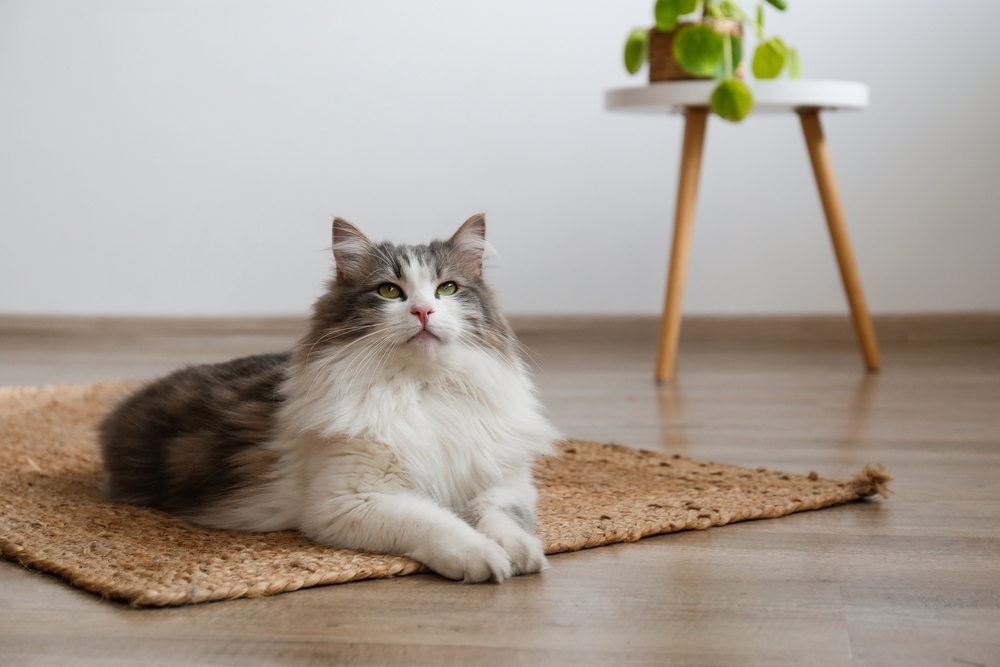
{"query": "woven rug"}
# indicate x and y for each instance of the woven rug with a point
(52, 516)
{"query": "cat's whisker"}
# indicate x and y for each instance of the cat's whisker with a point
(527, 353)
(506, 335)
(339, 356)
(389, 354)
(370, 360)
(350, 360)
(369, 353)
(386, 354)
(337, 332)
(480, 340)
(377, 270)
(466, 341)
(338, 353)
(383, 255)
(343, 329)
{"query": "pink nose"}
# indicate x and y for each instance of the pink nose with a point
(423, 312)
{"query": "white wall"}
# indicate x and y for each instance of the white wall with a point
(164, 157)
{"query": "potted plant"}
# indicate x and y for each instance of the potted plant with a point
(703, 39)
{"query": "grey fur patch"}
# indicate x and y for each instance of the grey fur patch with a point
(185, 441)
(522, 515)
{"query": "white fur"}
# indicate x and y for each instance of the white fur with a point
(385, 443)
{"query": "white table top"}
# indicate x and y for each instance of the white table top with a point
(773, 96)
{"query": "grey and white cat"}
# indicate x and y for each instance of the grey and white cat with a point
(403, 422)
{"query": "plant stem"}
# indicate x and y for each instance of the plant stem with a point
(740, 15)
(727, 50)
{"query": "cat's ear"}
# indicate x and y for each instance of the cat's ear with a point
(469, 243)
(351, 250)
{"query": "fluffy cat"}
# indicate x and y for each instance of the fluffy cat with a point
(403, 422)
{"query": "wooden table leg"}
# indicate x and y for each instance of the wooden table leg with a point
(695, 119)
(822, 165)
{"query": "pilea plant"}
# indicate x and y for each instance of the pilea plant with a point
(704, 48)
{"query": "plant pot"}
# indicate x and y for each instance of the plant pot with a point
(663, 66)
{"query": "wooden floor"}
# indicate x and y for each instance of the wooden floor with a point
(911, 581)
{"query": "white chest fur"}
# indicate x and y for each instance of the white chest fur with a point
(446, 429)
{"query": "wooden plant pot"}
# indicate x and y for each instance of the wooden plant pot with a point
(663, 66)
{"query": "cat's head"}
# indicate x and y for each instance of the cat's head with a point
(410, 300)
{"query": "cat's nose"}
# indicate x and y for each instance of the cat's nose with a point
(423, 312)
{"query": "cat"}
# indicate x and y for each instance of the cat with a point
(404, 421)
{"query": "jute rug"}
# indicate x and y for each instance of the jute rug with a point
(52, 516)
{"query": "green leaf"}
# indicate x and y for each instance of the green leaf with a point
(666, 15)
(760, 19)
(769, 58)
(732, 100)
(794, 64)
(698, 49)
(636, 49)
(730, 9)
(780, 4)
(667, 12)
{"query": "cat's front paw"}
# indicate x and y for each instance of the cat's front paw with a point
(472, 562)
(526, 552)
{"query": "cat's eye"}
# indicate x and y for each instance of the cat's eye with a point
(389, 291)
(447, 289)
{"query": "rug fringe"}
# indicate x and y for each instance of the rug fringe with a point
(872, 479)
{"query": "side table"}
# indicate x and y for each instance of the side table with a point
(807, 98)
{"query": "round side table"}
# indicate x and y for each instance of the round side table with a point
(806, 98)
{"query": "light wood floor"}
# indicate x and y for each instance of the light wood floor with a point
(911, 581)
